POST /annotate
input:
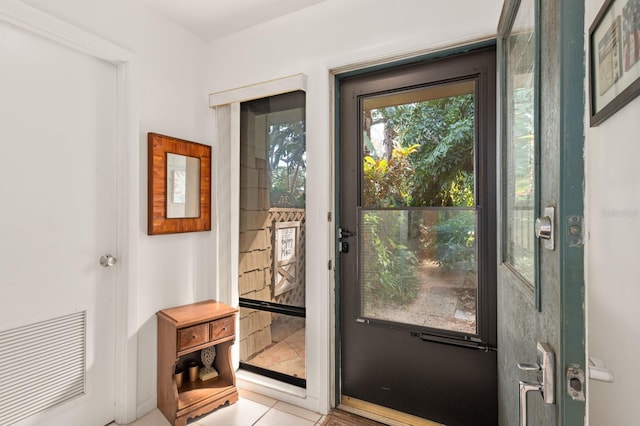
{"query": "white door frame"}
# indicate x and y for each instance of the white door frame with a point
(226, 105)
(127, 192)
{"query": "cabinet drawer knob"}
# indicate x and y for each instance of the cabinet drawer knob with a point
(224, 328)
(194, 337)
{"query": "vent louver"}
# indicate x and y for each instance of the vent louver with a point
(41, 366)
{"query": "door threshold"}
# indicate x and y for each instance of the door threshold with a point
(382, 414)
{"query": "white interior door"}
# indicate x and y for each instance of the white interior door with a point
(57, 218)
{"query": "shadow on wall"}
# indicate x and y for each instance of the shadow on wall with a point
(147, 365)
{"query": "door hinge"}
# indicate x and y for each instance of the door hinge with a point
(329, 265)
(328, 216)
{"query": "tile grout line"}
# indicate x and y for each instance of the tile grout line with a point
(260, 418)
(316, 423)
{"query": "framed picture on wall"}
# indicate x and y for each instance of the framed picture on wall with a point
(614, 58)
(285, 257)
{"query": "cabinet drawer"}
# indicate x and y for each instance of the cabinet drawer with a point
(193, 336)
(222, 328)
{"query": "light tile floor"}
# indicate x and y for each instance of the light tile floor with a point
(252, 409)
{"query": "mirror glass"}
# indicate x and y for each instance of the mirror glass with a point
(183, 186)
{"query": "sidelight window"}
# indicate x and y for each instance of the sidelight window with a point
(272, 237)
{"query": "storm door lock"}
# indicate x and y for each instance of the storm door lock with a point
(343, 246)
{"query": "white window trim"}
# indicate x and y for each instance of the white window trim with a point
(260, 90)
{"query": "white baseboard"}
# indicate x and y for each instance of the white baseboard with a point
(145, 407)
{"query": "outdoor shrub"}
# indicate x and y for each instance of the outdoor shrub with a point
(452, 240)
(389, 265)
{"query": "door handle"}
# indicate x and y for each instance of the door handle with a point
(545, 367)
(344, 233)
(107, 260)
(343, 246)
(525, 388)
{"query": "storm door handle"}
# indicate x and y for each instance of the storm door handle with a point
(343, 246)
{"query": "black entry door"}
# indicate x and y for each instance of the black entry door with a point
(418, 238)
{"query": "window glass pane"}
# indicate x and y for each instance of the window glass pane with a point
(271, 268)
(273, 341)
(420, 152)
(419, 267)
(520, 142)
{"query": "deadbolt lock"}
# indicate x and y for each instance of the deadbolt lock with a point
(544, 228)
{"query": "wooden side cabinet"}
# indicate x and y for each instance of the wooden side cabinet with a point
(183, 332)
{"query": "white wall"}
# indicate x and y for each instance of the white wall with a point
(175, 72)
(335, 34)
(613, 258)
(169, 63)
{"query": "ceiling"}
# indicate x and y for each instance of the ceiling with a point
(211, 19)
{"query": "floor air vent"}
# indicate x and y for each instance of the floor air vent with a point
(41, 365)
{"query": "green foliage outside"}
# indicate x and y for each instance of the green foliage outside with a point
(387, 182)
(390, 276)
(287, 165)
(440, 171)
(452, 240)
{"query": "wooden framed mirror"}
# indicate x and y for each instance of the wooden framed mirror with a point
(179, 179)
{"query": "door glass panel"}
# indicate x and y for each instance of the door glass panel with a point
(419, 267)
(276, 342)
(271, 270)
(519, 251)
(418, 220)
